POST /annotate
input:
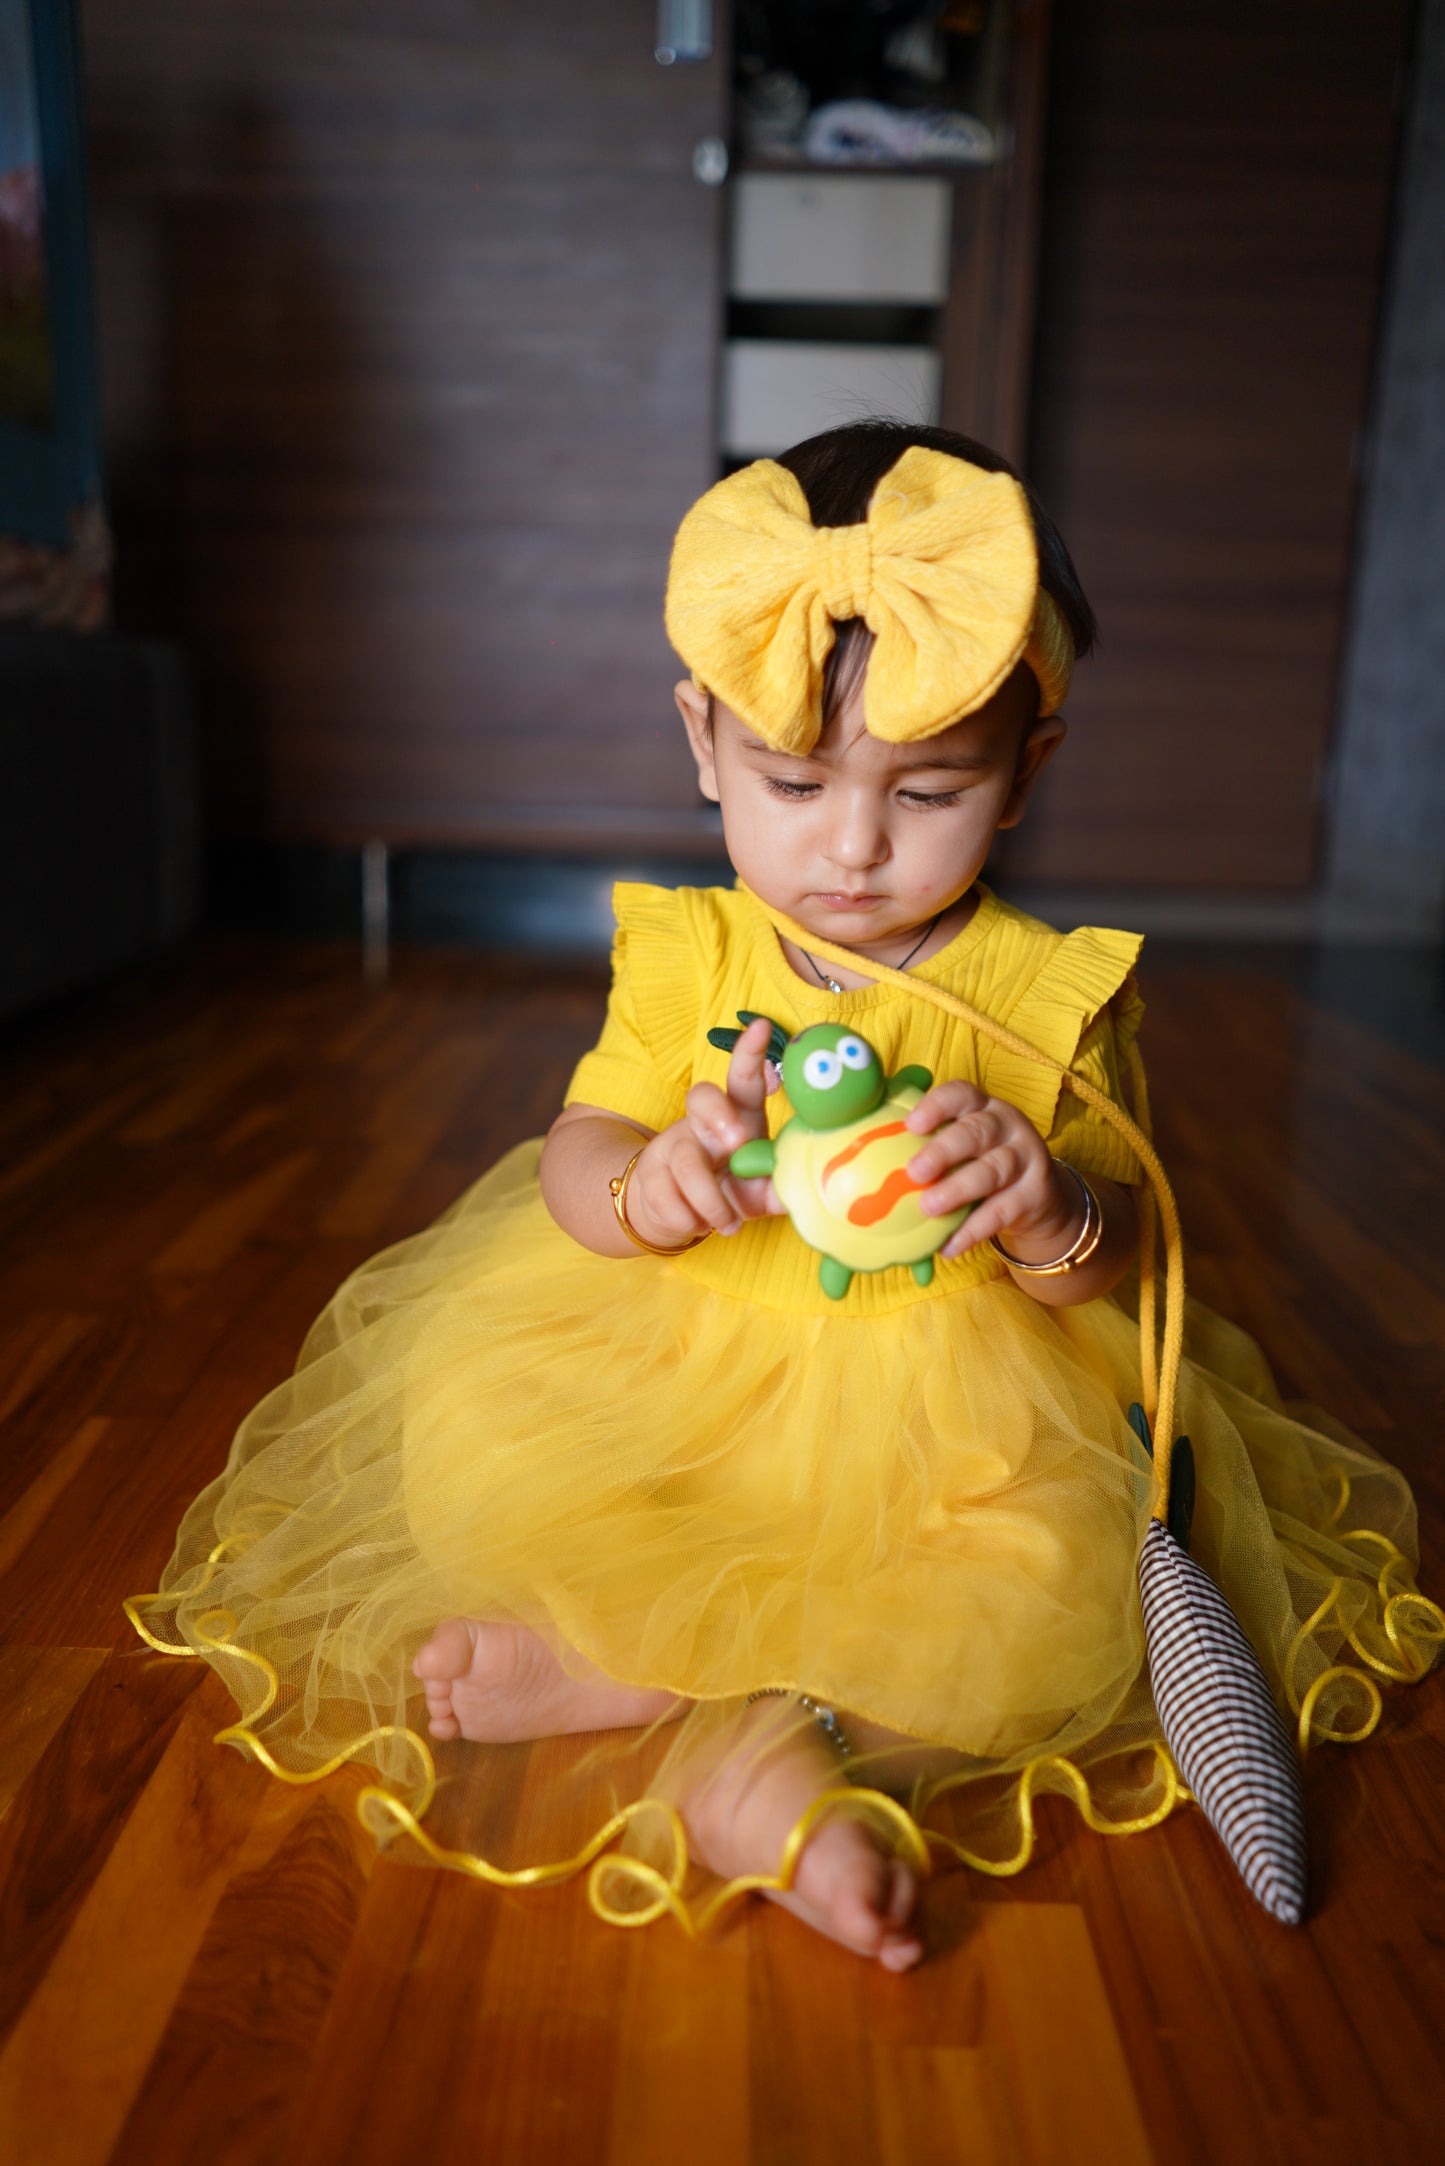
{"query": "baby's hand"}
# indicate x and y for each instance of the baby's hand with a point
(982, 1151)
(679, 1186)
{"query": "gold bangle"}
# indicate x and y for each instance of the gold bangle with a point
(618, 1189)
(1080, 1249)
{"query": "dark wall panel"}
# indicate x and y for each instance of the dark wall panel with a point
(409, 328)
(1215, 218)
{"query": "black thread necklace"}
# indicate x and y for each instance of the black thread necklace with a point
(832, 983)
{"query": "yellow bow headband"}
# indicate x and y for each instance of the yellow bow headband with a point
(944, 571)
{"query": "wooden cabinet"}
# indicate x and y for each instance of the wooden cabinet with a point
(905, 289)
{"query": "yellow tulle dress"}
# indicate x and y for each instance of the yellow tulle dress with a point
(919, 1506)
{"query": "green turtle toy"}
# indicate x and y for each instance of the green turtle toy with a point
(840, 1165)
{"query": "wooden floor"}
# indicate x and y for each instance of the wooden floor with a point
(199, 1964)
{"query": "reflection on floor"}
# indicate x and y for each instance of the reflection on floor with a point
(1396, 992)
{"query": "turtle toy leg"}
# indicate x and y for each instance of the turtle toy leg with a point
(923, 1270)
(835, 1278)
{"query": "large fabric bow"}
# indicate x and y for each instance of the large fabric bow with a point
(944, 571)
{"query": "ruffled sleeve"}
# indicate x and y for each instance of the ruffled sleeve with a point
(1083, 1007)
(641, 1066)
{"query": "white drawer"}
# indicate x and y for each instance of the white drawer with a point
(839, 238)
(777, 391)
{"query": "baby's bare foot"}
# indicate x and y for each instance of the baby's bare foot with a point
(740, 1815)
(499, 1684)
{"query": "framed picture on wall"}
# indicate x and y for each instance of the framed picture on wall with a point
(49, 425)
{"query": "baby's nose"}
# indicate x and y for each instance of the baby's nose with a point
(859, 837)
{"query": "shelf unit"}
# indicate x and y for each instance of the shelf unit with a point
(885, 288)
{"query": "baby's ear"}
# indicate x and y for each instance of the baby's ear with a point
(1040, 741)
(694, 707)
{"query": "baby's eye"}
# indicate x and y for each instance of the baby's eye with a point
(931, 797)
(782, 788)
(822, 1070)
(853, 1053)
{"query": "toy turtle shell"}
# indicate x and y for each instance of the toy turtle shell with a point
(840, 1165)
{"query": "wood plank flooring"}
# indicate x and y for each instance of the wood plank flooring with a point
(202, 1964)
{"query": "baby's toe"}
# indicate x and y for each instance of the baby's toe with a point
(902, 1893)
(859, 1908)
(902, 1946)
(441, 1715)
(900, 1952)
(872, 1908)
(447, 1654)
(855, 1887)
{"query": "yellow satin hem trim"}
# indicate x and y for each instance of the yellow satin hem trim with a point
(376, 1806)
(662, 1891)
(1409, 1640)
(1410, 1621)
(1077, 1788)
(382, 1814)
(385, 1815)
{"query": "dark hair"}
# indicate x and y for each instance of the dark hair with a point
(839, 472)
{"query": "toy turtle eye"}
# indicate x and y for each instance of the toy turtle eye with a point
(822, 1070)
(854, 1053)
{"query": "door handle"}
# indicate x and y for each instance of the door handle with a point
(710, 160)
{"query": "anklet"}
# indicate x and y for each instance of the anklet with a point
(825, 1718)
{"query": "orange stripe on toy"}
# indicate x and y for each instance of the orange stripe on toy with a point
(869, 1209)
(861, 1143)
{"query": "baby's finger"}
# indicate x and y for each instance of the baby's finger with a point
(747, 1084)
(715, 1121)
(972, 1137)
(755, 1198)
(945, 1102)
(987, 1219)
(658, 1210)
(972, 1182)
(702, 1191)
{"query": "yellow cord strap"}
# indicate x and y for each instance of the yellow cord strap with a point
(1161, 1412)
(1148, 1247)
